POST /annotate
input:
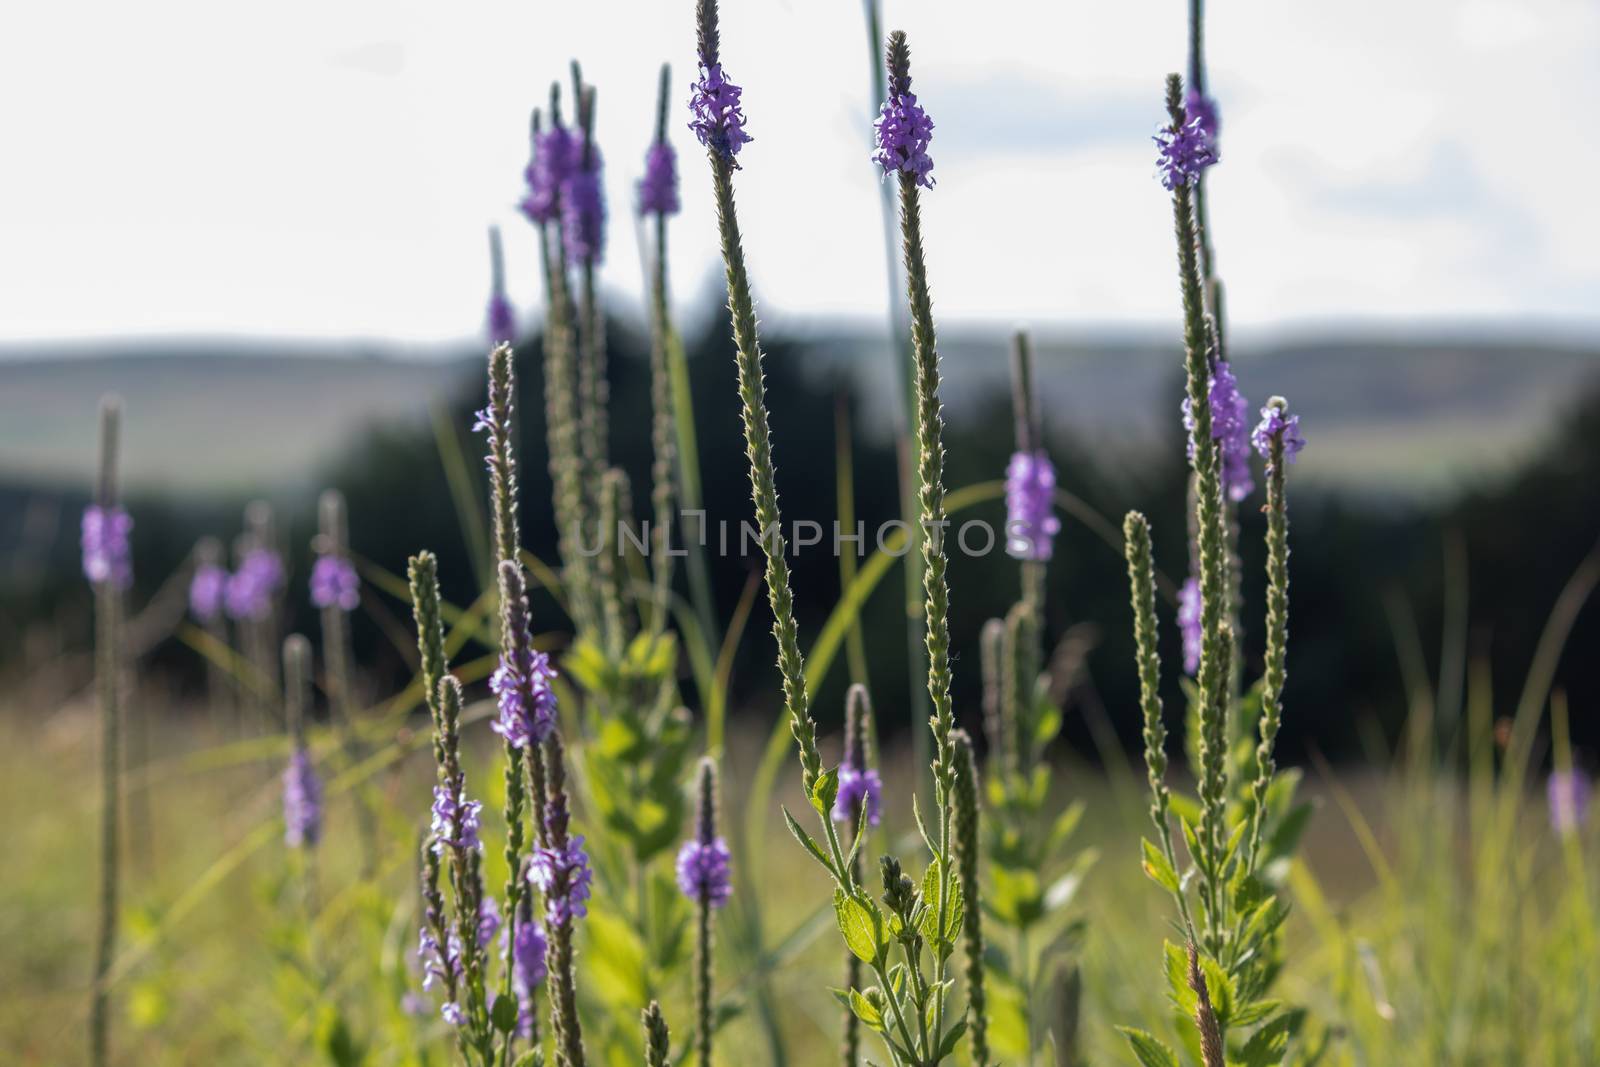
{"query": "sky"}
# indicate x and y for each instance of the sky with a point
(309, 168)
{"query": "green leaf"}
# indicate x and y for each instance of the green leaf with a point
(810, 846)
(861, 923)
(1267, 1046)
(1183, 998)
(616, 957)
(955, 912)
(866, 1011)
(1047, 719)
(586, 664)
(1016, 898)
(1149, 1051)
(1192, 841)
(947, 1045)
(824, 791)
(504, 1014)
(1157, 868)
(1063, 828)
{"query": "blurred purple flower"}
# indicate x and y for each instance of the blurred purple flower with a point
(1230, 428)
(1031, 523)
(658, 189)
(302, 801)
(704, 872)
(718, 116)
(334, 583)
(564, 877)
(583, 212)
(527, 972)
(1189, 624)
(858, 786)
(1203, 109)
(107, 555)
(447, 809)
(1276, 420)
(502, 320)
(1183, 153)
(554, 156)
(904, 131)
(206, 591)
(252, 586)
(1568, 792)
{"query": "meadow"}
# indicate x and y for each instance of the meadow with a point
(565, 836)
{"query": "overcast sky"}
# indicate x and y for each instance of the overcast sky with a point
(319, 168)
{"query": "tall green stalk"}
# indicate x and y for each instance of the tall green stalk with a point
(108, 680)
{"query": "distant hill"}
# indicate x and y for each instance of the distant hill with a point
(1388, 416)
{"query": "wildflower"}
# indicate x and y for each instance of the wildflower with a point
(107, 556)
(703, 871)
(1229, 428)
(252, 586)
(1031, 522)
(206, 591)
(334, 583)
(1568, 793)
(1189, 623)
(1203, 109)
(302, 801)
(903, 133)
(554, 156)
(857, 787)
(658, 189)
(718, 116)
(527, 971)
(1276, 420)
(563, 876)
(488, 921)
(448, 810)
(527, 703)
(583, 210)
(1183, 153)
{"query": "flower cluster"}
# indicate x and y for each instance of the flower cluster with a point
(563, 876)
(858, 786)
(704, 874)
(1183, 152)
(658, 189)
(206, 591)
(904, 131)
(437, 966)
(107, 555)
(583, 210)
(555, 155)
(1189, 624)
(502, 320)
(448, 808)
(252, 587)
(1202, 109)
(334, 583)
(1230, 428)
(718, 116)
(302, 801)
(1568, 793)
(1276, 420)
(528, 971)
(527, 703)
(1031, 522)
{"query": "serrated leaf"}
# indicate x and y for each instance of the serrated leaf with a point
(1267, 1046)
(861, 923)
(1157, 868)
(866, 1011)
(952, 1037)
(805, 839)
(1148, 1050)
(825, 791)
(955, 911)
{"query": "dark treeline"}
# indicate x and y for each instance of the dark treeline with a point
(1369, 576)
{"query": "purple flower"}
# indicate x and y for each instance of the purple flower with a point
(527, 703)
(527, 972)
(1031, 521)
(658, 189)
(564, 877)
(1230, 428)
(857, 787)
(435, 966)
(1568, 792)
(488, 921)
(704, 875)
(1203, 110)
(452, 1013)
(1183, 153)
(334, 583)
(447, 810)
(903, 133)
(502, 320)
(583, 211)
(107, 556)
(718, 116)
(554, 156)
(302, 801)
(252, 586)
(1275, 420)
(1189, 624)
(206, 591)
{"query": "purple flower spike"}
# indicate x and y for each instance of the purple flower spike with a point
(502, 320)
(488, 921)
(658, 189)
(445, 808)
(302, 801)
(554, 157)
(1189, 624)
(527, 703)
(1203, 109)
(704, 874)
(564, 877)
(527, 972)
(1031, 523)
(206, 591)
(583, 212)
(1183, 153)
(1276, 420)
(857, 787)
(1568, 792)
(107, 555)
(334, 583)
(904, 131)
(1230, 428)
(718, 116)
(253, 585)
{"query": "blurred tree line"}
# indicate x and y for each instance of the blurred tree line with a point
(1375, 583)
